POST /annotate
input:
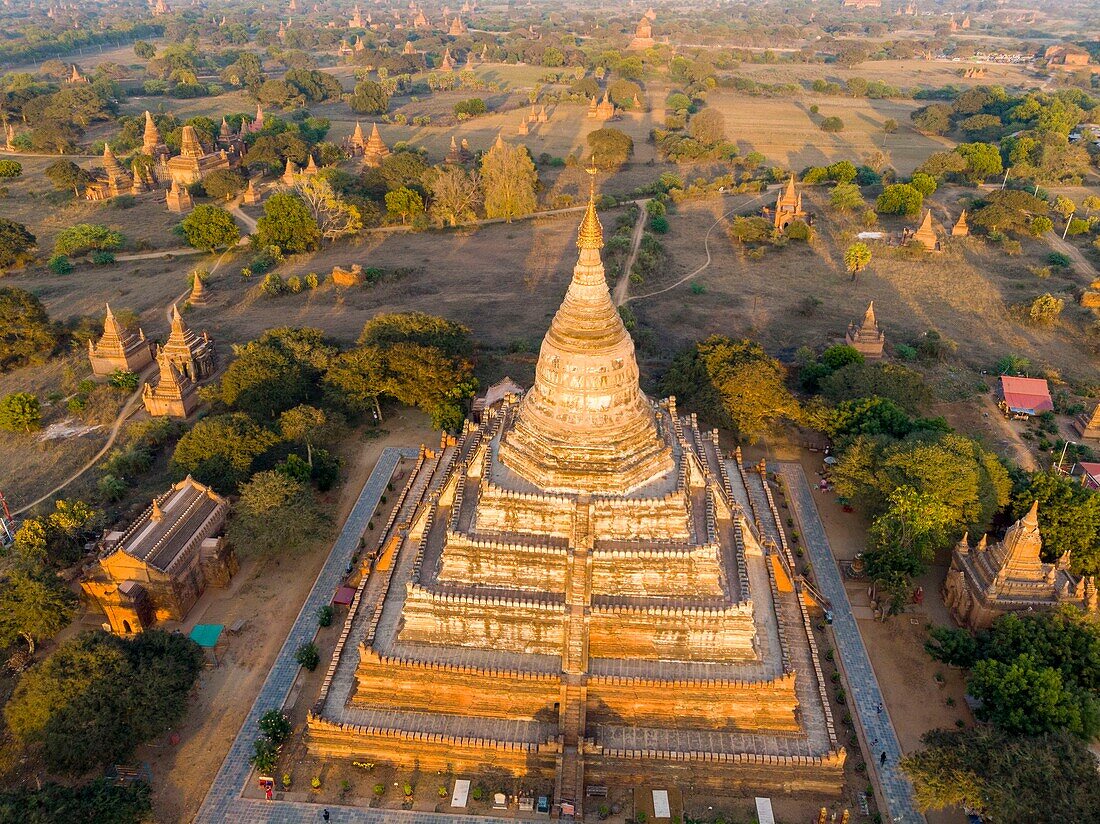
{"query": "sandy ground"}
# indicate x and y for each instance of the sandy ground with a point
(915, 701)
(268, 595)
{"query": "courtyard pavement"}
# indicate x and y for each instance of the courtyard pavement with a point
(223, 802)
(864, 695)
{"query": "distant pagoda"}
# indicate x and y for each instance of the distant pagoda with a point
(866, 337)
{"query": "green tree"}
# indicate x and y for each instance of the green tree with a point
(1012, 780)
(900, 199)
(846, 197)
(832, 124)
(734, 383)
(100, 800)
(1069, 518)
(17, 245)
(369, 97)
(610, 148)
(843, 171)
(287, 224)
(57, 538)
(1024, 698)
(275, 514)
(508, 180)
(1045, 309)
(220, 450)
(983, 160)
(10, 169)
(923, 183)
(26, 333)
(404, 203)
(473, 107)
(64, 175)
(97, 696)
(20, 412)
(86, 237)
(456, 195)
(933, 119)
(275, 726)
(209, 227)
(223, 184)
(856, 258)
(34, 605)
(708, 127)
(144, 50)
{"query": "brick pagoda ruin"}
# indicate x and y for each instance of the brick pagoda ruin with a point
(119, 348)
(984, 582)
(582, 589)
(866, 337)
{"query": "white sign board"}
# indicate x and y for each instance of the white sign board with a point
(660, 804)
(764, 811)
(461, 793)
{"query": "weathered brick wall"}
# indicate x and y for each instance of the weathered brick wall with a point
(517, 626)
(504, 511)
(626, 519)
(708, 705)
(656, 572)
(672, 634)
(732, 773)
(407, 686)
(492, 563)
(427, 752)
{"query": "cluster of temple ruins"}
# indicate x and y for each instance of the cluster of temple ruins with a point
(185, 360)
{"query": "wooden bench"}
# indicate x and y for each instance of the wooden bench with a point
(596, 791)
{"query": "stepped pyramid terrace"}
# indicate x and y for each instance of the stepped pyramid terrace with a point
(583, 589)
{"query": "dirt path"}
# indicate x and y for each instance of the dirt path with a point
(635, 243)
(1084, 266)
(1023, 454)
(706, 248)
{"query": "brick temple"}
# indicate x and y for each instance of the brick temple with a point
(580, 590)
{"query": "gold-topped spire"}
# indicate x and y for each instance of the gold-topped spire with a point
(590, 235)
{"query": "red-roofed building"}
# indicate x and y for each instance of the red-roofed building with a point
(1089, 474)
(1024, 397)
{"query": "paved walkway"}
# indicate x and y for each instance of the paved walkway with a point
(863, 690)
(223, 802)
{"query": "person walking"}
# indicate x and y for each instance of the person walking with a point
(324, 813)
(881, 760)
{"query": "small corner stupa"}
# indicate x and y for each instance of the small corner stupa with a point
(866, 337)
(926, 234)
(174, 395)
(961, 228)
(376, 149)
(119, 348)
(178, 199)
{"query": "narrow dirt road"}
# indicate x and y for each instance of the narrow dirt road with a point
(1082, 263)
(706, 248)
(635, 243)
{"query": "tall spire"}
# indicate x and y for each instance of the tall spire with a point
(590, 235)
(585, 425)
(869, 317)
(189, 143)
(151, 138)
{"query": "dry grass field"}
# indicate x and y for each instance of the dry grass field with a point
(904, 74)
(964, 293)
